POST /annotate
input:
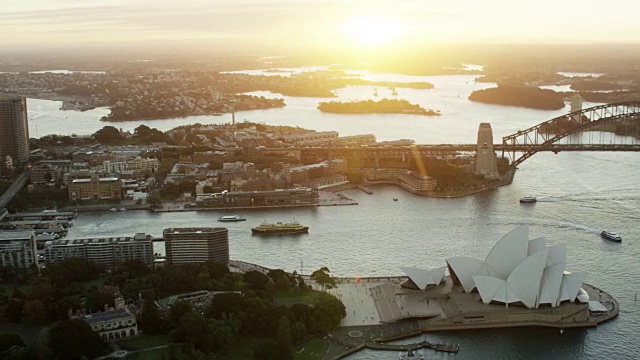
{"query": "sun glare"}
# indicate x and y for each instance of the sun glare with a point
(373, 30)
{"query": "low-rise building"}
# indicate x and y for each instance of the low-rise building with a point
(408, 179)
(113, 325)
(95, 188)
(279, 197)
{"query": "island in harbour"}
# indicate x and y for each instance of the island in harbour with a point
(522, 96)
(384, 106)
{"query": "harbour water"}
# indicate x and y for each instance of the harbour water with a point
(458, 122)
(579, 195)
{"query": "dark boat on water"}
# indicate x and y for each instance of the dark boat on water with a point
(528, 200)
(280, 228)
(611, 236)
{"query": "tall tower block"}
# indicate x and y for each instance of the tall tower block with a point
(576, 105)
(486, 162)
(14, 130)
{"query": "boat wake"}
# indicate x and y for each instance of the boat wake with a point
(548, 199)
(570, 225)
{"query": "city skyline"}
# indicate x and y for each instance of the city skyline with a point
(322, 24)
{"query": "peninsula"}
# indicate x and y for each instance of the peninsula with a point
(522, 96)
(384, 106)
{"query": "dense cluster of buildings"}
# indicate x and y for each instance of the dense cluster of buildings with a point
(97, 175)
(19, 249)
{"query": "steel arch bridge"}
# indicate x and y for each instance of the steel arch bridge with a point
(617, 123)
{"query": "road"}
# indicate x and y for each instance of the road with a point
(17, 184)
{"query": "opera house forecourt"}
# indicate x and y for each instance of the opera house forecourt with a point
(521, 282)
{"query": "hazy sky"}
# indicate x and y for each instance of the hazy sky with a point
(321, 23)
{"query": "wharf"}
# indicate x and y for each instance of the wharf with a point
(403, 348)
(49, 215)
(412, 347)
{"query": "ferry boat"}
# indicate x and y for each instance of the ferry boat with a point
(231, 218)
(528, 200)
(293, 227)
(611, 236)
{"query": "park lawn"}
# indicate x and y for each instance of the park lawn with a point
(150, 355)
(241, 349)
(28, 332)
(294, 296)
(144, 342)
(9, 288)
(314, 349)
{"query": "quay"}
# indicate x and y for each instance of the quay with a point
(44, 215)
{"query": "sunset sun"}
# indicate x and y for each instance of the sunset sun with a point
(372, 30)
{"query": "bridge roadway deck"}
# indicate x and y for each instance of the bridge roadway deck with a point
(473, 147)
(17, 184)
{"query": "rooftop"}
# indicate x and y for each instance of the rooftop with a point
(16, 235)
(107, 316)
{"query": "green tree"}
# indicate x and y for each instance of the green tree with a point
(206, 335)
(73, 339)
(13, 312)
(142, 131)
(149, 319)
(7, 340)
(225, 303)
(179, 309)
(108, 135)
(35, 312)
(322, 278)
(255, 279)
(327, 313)
(268, 350)
(154, 201)
(283, 338)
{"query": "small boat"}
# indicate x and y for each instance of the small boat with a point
(122, 209)
(113, 209)
(528, 200)
(395, 199)
(231, 218)
(611, 236)
(280, 228)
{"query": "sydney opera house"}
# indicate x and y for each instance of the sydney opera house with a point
(516, 271)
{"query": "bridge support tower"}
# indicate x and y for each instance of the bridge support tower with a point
(486, 163)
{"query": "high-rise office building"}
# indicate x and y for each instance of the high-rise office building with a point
(196, 245)
(14, 130)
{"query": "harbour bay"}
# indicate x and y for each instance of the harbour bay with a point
(580, 194)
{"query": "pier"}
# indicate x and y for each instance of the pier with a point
(409, 348)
